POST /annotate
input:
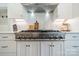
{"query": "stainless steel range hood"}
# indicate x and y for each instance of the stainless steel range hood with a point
(40, 7)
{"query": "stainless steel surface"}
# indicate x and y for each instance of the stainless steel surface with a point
(40, 35)
(40, 7)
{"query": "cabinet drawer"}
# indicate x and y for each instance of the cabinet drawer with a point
(7, 46)
(69, 44)
(7, 37)
(7, 53)
(72, 48)
(74, 37)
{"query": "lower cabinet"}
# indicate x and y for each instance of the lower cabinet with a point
(71, 44)
(7, 53)
(71, 48)
(39, 48)
(7, 48)
(54, 48)
(28, 48)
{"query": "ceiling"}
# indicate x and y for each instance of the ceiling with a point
(40, 7)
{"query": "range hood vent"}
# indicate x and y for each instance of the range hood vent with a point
(40, 7)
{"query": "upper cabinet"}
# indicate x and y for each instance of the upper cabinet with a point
(15, 10)
(3, 13)
(75, 10)
(62, 11)
(65, 10)
(5, 22)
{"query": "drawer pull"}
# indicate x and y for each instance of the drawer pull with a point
(27, 45)
(51, 45)
(75, 46)
(74, 36)
(4, 46)
(5, 37)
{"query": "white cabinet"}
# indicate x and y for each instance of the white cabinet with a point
(7, 36)
(62, 11)
(7, 44)
(75, 8)
(3, 21)
(54, 48)
(72, 44)
(3, 14)
(40, 48)
(58, 48)
(45, 48)
(7, 48)
(65, 10)
(72, 48)
(15, 10)
(28, 48)
(72, 37)
(32, 49)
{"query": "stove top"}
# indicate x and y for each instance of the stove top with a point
(40, 31)
(40, 34)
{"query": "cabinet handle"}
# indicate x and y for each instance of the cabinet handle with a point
(51, 45)
(75, 46)
(27, 45)
(5, 37)
(4, 46)
(74, 36)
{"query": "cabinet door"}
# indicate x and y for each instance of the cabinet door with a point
(57, 48)
(52, 48)
(32, 49)
(45, 48)
(72, 48)
(15, 10)
(75, 7)
(20, 48)
(28, 48)
(64, 10)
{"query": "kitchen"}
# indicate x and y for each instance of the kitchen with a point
(39, 29)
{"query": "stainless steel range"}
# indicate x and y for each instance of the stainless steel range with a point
(40, 35)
